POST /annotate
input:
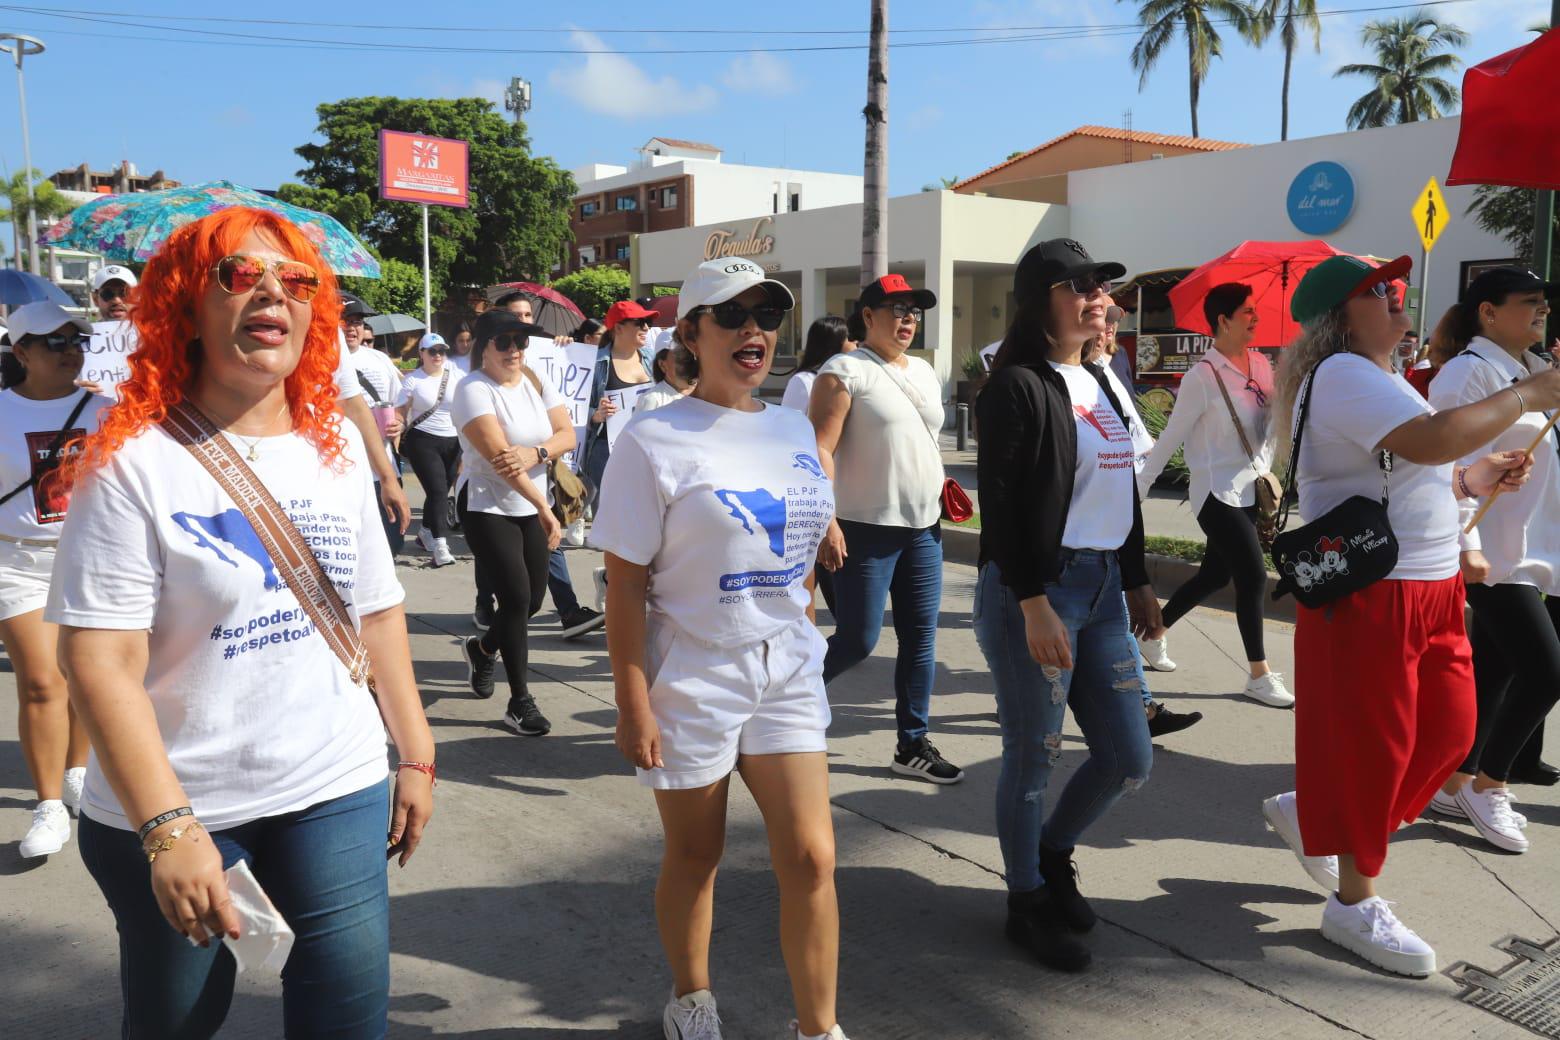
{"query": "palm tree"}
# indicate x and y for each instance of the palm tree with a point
(874, 200)
(47, 202)
(1288, 18)
(1198, 21)
(1409, 70)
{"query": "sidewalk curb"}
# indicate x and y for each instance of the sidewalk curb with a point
(962, 545)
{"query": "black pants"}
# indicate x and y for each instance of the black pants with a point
(512, 551)
(1516, 671)
(434, 459)
(1233, 552)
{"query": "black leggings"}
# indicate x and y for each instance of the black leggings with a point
(434, 459)
(512, 551)
(1233, 552)
(1516, 671)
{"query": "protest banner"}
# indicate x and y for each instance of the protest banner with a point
(625, 399)
(107, 361)
(569, 369)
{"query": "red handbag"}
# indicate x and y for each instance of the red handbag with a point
(956, 504)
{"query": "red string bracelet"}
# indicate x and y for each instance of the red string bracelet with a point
(421, 767)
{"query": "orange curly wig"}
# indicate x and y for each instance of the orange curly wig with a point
(164, 363)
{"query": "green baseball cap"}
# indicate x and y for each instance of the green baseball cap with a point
(1340, 278)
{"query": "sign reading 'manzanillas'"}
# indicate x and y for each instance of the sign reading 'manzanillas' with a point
(724, 243)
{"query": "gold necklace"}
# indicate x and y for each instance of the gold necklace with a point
(253, 446)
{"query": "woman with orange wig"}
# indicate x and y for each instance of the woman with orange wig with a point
(225, 726)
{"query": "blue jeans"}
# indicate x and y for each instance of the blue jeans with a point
(323, 867)
(1103, 688)
(559, 585)
(902, 565)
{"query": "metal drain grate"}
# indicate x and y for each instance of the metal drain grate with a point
(1525, 992)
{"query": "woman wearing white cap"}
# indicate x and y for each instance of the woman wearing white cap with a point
(431, 443)
(711, 515)
(41, 411)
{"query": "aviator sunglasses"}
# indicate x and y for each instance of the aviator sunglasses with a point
(239, 274)
(733, 315)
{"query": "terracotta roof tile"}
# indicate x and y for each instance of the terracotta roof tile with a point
(1110, 133)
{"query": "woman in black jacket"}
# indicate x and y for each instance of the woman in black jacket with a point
(1062, 537)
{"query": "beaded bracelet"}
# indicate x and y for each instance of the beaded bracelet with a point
(421, 767)
(157, 821)
(165, 843)
(1462, 483)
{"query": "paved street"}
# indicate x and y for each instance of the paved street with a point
(528, 911)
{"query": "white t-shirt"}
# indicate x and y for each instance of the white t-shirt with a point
(522, 413)
(380, 372)
(347, 385)
(726, 508)
(1354, 406)
(1519, 535)
(28, 429)
(1100, 515)
(1142, 440)
(421, 391)
(798, 391)
(460, 361)
(658, 396)
(887, 466)
(1215, 457)
(257, 715)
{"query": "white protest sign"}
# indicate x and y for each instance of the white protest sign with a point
(569, 369)
(107, 361)
(625, 399)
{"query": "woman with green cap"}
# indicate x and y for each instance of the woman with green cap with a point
(1384, 694)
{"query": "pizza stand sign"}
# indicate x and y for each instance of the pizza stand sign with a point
(430, 171)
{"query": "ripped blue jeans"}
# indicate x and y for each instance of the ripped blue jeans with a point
(1104, 690)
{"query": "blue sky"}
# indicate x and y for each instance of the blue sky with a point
(206, 109)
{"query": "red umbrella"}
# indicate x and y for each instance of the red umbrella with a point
(1510, 130)
(551, 309)
(1272, 269)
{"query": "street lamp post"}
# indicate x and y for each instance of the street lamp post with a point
(19, 47)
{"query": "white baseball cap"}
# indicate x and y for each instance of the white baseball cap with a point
(431, 340)
(40, 319)
(113, 272)
(716, 281)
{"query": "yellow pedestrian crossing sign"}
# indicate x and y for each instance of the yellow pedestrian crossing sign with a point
(1430, 214)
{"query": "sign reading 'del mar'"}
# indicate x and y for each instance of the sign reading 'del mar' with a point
(419, 168)
(1321, 197)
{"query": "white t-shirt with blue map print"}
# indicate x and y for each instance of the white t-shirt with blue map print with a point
(726, 508)
(258, 717)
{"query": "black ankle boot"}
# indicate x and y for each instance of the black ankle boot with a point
(1061, 878)
(1033, 925)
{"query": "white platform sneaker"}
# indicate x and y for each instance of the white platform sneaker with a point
(1284, 819)
(1156, 654)
(1370, 929)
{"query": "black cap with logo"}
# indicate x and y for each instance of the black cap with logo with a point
(1056, 260)
(1494, 285)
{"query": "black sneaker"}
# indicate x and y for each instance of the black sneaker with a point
(526, 719)
(1061, 878)
(479, 666)
(1162, 721)
(923, 760)
(1033, 925)
(483, 615)
(581, 620)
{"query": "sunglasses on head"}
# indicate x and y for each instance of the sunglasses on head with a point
(59, 342)
(733, 315)
(114, 291)
(239, 274)
(1085, 284)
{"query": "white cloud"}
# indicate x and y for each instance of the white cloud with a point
(612, 85)
(759, 73)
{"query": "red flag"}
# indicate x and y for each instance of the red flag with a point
(1510, 130)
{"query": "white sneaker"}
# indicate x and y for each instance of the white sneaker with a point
(49, 832)
(1371, 930)
(1446, 805)
(599, 578)
(692, 1017)
(1269, 689)
(833, 1034)
(1491, 815)
(1284, 820)
(425, 539)
(1156, 654)
(442, 557)
(574, 534)
(74, 780)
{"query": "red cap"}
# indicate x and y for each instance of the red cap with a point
(627, 310)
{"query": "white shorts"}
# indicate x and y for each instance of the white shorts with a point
(715, 703)
(24, 578)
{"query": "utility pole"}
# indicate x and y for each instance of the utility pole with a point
(874, 202)
(19, 47)
(517, 98)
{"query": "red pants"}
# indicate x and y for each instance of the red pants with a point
(1384, 713)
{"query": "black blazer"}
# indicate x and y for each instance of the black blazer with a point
(1025, 460)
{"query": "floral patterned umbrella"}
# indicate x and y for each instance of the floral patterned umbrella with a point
(132, 227)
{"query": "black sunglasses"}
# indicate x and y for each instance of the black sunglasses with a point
(434, 350)
(905, 310)
(112, 292)
(733, 315)
(1085, 284)
(508, 341)
(59, 342)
